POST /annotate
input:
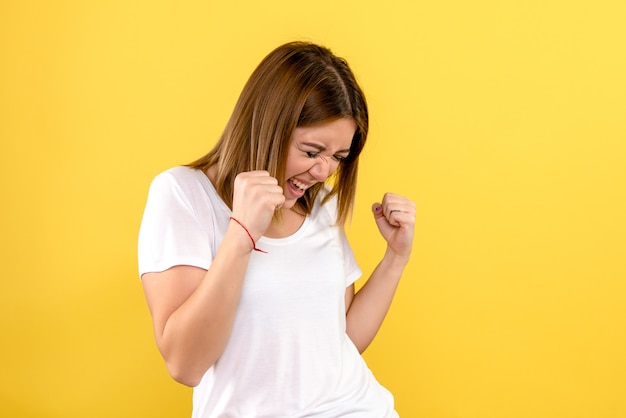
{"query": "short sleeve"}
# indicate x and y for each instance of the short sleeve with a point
(170, 232)
(353, 271)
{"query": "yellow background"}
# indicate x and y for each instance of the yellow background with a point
(503, 120)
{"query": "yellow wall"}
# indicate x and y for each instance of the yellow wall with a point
(504, 120)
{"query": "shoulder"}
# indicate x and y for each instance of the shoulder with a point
(181, 179)
(178, 175)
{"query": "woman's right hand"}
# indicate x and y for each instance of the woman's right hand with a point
(256, 197)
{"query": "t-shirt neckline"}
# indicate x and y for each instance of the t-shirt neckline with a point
(272, 241)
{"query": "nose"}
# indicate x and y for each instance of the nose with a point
(323, 168)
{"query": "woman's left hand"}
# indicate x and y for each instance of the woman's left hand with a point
(395, 218)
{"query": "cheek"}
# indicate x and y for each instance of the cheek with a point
(289, 165)
(297, 166)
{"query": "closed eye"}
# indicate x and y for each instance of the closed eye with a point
(336, 157)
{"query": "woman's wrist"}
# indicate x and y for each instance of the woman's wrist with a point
(393, 262)
(237, 239)
(254, 247)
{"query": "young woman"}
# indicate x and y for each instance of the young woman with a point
(244, 261)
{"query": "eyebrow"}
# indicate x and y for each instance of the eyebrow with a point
(322, 148)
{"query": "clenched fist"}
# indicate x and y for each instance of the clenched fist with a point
(256, 197)
(395, 218)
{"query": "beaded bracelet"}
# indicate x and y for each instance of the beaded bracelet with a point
(249, 235)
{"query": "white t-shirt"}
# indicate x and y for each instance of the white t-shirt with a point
(288, 354)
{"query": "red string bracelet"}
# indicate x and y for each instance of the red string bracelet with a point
(250, 235)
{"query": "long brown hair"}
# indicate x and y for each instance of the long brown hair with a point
(298, 84)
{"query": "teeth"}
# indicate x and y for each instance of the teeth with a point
(301, 186)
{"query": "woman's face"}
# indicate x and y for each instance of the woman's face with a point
(314, 154)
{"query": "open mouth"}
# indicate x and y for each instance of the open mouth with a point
(297, 188)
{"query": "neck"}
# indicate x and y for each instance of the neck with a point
(287, 224)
